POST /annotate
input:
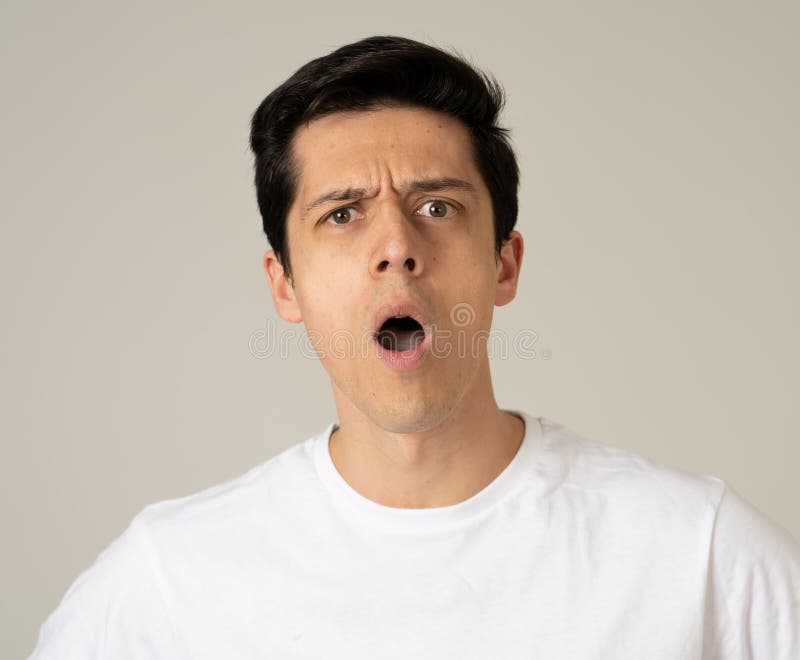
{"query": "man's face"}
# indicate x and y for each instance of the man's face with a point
(392, 218)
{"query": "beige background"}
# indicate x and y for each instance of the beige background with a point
(658, 144)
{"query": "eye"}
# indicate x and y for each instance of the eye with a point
(437, 208)
(342, 216)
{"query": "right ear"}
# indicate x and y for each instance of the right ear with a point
(282, 289)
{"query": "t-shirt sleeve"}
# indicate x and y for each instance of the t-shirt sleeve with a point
(114, 610)
(753, 600)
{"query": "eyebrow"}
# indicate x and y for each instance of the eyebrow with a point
(435, 184)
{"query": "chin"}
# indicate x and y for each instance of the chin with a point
(415, 416)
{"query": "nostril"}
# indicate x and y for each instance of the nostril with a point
(409, 263)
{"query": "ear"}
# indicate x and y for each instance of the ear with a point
(508, 266)
(281, 287)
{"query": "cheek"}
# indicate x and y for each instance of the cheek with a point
(328, 301)
(477, 272)
(319, 275)
(474, 302)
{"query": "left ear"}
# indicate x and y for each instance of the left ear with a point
(508, 264)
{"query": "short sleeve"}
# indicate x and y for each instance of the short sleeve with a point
(114, 610)
(752, 609)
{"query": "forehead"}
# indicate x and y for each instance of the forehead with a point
(365, 148)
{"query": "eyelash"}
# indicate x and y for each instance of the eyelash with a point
(449, 205)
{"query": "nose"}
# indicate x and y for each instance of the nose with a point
(396, 245)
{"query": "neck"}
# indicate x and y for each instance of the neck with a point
(435, 467)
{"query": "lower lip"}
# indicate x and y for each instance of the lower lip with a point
(403, 360)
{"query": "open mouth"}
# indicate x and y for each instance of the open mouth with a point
(400, 333)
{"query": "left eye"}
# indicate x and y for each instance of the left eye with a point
(437, 208)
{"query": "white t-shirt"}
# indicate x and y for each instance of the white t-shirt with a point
(576, 550)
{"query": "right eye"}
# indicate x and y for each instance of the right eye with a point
(342, 216)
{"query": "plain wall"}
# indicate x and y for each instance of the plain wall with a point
(658, 144)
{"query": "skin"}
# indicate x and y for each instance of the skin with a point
(432, 436)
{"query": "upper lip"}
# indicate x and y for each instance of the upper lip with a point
(398, 308)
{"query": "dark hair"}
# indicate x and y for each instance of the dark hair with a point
(376, 71)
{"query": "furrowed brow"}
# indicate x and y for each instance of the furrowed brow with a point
(442, 183)
(338, 195)
(432, 185)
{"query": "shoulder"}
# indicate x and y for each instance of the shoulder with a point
(605, 479)
(661, 521)
(283, 478)
(596, 470)
(118, 606)
(646, 507)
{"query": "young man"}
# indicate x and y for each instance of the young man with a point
(427, 522)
